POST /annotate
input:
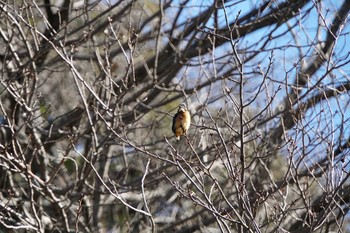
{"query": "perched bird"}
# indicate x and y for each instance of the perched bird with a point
(181, 121)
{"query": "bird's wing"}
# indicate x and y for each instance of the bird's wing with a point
(174, 122)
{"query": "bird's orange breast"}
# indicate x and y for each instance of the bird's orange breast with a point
(182, 122)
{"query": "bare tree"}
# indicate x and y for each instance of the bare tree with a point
(89, 89)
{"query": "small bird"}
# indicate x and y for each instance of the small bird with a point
(181, 121)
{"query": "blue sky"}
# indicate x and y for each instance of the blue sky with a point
(288, 48)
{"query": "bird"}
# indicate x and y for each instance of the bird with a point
(181, 121)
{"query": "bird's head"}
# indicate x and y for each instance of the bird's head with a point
(182, 107)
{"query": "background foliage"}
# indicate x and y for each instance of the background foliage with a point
(88, 90)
